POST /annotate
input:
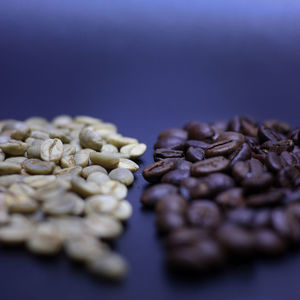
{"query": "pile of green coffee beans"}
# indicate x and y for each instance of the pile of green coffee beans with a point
(63, 186)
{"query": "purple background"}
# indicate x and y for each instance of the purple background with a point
(148, 65)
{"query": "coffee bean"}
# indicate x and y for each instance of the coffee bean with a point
(155, 171)
(167, 153)
(168, 221)
(267, 134)
(204, 214)
(211, 165)
(242, 153)
(195, 154)
(222, 148)
(236, 191)
(154, 193)
(171, 203)
(175, 176)
(231, 198)
(200, 131)
(268, 198)
(268, 242)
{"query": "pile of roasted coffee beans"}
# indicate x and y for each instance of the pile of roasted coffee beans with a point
(225, 190)
(63, 185)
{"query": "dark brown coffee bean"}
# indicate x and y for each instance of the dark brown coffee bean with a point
(200, 131)
(170, 143)
(225, 147)
(175, 176)
(257, 183)
(173, 132)
(203, 256)
(265, 199)
(167, 153)
(262, 218)
(218, 182)
(196, 144)
(243, 125)
(247, 169)
(231, 198)
(289, 159)
(268, 242)
(242, 153)
(278, 126)
(220, 125)
(274, 162)
(236, 239)
(268, 134)
(204, 214)
(186, 236)
(155, 171)
(169, 221)
(289, 177)
(156, 192)
(171, 203)
(211, 165)
(194, 154)
(278, 147)
(295, 136)
(192, 188)
(230, 135)
(241, 216)
(280, 222)
(292, 196)
(182, 164)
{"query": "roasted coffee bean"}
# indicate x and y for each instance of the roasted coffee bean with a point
(243, 125)
(278, 147)
(170, 143)
(257, 183)
(196, 144)
(265, 199)
(267, 134)
(154, 193)
(175, 176)
(236, 191)
(222, 148)
(194, 154)
(242, 153)
(274, 162)
(203, 256)
(210, 165)
(268, 242)
(247, 169)
(171, 203)
(167, 153)
(186, 236)
(295, 136)
(238, 240)
(173, 132)
(192, 188)
(289, 177)
(278, 126)
(200, 131)
(155, 171)
(168, 221)
(204, 214)
(231, 198)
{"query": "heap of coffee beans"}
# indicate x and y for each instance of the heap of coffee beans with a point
(63, 186)
(225, 190)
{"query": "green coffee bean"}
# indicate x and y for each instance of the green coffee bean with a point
(90, 139)
(133, 150)
(7, 168)
(52, 150)
(38, 167)
(91, 169)
(107, 160)
(128, 164)
(14, 147)
(122, 175)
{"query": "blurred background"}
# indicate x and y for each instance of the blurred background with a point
(148, 65)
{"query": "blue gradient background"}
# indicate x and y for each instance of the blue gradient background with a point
(148, 65)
